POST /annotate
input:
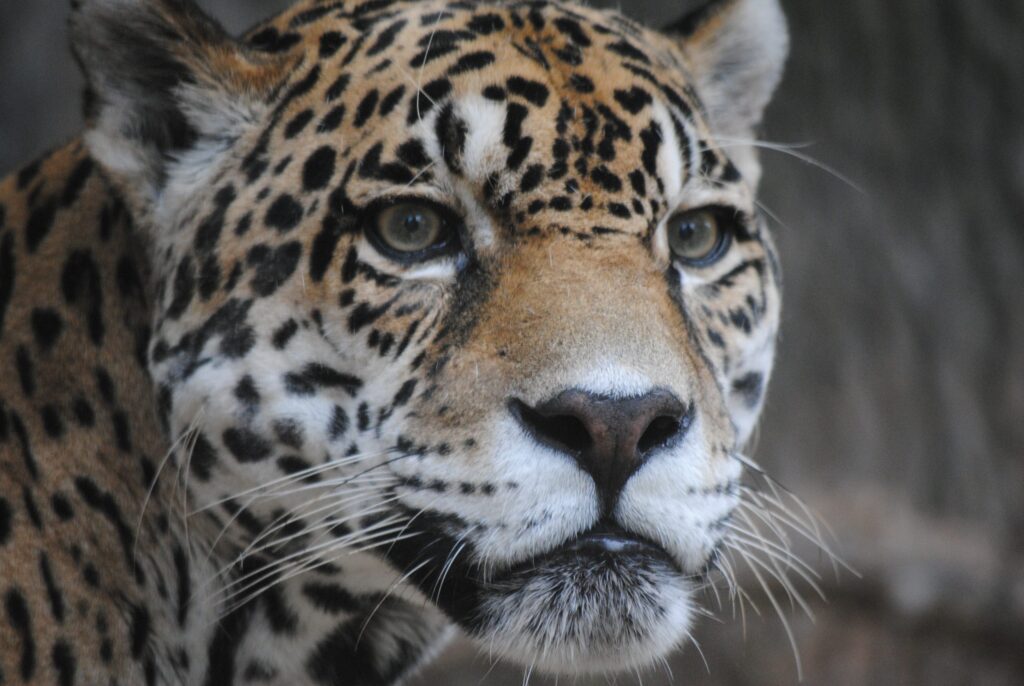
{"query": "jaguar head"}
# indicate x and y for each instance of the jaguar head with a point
(479, 292)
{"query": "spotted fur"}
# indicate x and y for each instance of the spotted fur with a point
(239, 444)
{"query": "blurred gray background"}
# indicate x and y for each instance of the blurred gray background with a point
(897, 409)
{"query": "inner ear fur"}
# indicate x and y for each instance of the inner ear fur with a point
(736, 50)
(163, 78)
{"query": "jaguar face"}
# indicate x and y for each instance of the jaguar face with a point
(477, 291)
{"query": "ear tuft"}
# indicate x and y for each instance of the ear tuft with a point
(737, 50)
(161, 76)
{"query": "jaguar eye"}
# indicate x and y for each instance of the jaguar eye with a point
(699, 237)
(410, 230)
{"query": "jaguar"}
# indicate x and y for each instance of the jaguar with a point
(387, 320)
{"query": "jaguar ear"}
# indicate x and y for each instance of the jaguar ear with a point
(165, 85)
(736, 50)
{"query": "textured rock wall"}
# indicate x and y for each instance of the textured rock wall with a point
(897, 409)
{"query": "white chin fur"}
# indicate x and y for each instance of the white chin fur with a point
(585, 621)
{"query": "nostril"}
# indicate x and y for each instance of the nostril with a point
(663, 430)
(560, 431)
(660, 432)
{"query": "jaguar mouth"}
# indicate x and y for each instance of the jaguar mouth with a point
(602, 545)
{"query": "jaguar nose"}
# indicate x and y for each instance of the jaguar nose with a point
(610, 438)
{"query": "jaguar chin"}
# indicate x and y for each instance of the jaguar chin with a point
(605, 601)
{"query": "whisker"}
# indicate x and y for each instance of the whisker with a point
(778, 610)
(193, 425)
(792, 151)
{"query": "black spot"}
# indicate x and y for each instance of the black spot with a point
(105, 504)
(62, 507)
(486, 24)
(56, 598)
(140, 629)
(431, 53)
(561, 203)
(472, 62)
(284, 213)
(386, 38)
(299, 122)
(639, 183)
(339, 423)
(26, 370)
(31, 509)
(413, 154)
(367, 106)
(749, 387)
(330, 43)
(290, 464)
(314, 376)
(19, 619)
(202, 458)
(451, 134)
(77, 179)
(318, 169)
(335, 90)
(276, 268)
(211, 227)
(80, 284)
(633, 100)
(183, 289)
(6, 516)
(532, 178)
(332, 120)
(53, 425)
(284, 334)
(244, 224)
(246, 445)
(184, 584)
(364, 315)
(571, 29)
(619, 210)
(514, 117)
(27, 456)
(426, 98)
(64, 663)
(129, 283)
(209, 277)
(629, 51)
(370, 164)
(581, 84)
(46, 327)
(391, 100)
(606, 179)
(122, 433)
(495, 93)
(6, 275)
(39, 224)
(289, 433)
(330, 598)
(27, 174)
(247, 393)
(105, 385)
(519, 153)
(271, 40)
(404, 393)
(570, 54)
(533, 91)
